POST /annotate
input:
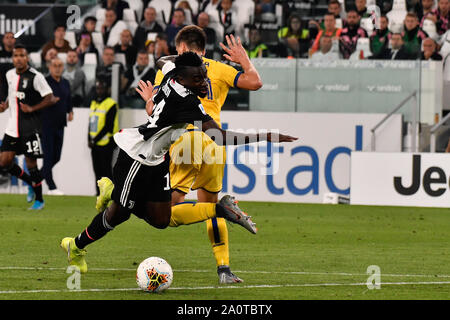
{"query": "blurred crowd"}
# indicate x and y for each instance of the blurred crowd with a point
(135, 33)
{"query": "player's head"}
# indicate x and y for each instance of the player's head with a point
(191, 38)
(20, 57)
(191, 73)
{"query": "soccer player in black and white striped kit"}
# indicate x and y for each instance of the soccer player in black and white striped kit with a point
(28, 93)
(141, 173)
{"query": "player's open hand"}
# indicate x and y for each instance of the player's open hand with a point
(235, 52)
(3, 106)
(145, 90)
(25, 108)
(278, 137)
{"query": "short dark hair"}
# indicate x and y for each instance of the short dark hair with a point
(90, 18)
(59, 26)
(193, 36)
(188, 59)
(20, 46)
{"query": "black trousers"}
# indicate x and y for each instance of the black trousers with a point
(102, 157)
(52, 143)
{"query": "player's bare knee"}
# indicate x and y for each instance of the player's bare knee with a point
(159, 222)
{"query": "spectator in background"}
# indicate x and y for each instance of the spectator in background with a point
(227, 17)
(413, 35)
(334, 7)
(361, 8)
(350, 34)
(425, 9)
(104, 68)
(255, 48)
(127, 48)
(203, 22)
(172, 29)
(76, 77)
(161, 46)
(142, 70)
(330, 30)
(295, 37)
(112, 28)
(148, 25)
(440, 16)
(188, 14)
(103, 124)
(6, 63)
(85, 46)
(429, 51)
(49, 56)
(89, 24)
(325, 54)
(397, 50)
(54, 119)
(379, 38)
(117, 5)
(58, 43)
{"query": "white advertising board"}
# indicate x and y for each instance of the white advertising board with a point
(302, 171)
(400, 179)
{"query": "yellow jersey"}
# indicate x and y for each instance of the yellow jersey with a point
(221, 77)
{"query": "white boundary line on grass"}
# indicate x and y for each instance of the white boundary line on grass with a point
(233, 287)
(245, 271)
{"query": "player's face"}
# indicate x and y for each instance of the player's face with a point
(195, 80)
(20, 58)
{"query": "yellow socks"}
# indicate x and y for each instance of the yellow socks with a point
(191, 212)
(218, 236)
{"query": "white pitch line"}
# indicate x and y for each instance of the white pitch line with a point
(248, 271)
(233, 287)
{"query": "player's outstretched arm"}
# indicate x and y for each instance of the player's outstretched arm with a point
(228, 137)
(235, 52)
(48, 101)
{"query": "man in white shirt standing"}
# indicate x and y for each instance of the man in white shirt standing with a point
(325, 53)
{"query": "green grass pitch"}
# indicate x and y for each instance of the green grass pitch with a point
(301, 251)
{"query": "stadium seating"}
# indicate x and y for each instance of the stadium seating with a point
(90, 58)
(363, 45)
(120, 57)
(445, 44)
(138, 7)
(100, 16)
(36, 59)
(397, 16)
(430, 28)
(245, 13)
(62, 56)
(367, 24)
(70, 36)
(129, 17)
(97, 40)
(163, 11)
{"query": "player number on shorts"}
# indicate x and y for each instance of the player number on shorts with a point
(167, 187)
(33, 146)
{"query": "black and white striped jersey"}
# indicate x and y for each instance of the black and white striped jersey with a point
(29, 87)
(175, 107)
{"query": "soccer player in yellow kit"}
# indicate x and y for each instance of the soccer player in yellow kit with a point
(205, 166)
(197, 163)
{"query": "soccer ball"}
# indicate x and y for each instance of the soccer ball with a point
(154, 275)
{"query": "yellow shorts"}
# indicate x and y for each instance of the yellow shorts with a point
(196, 162)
